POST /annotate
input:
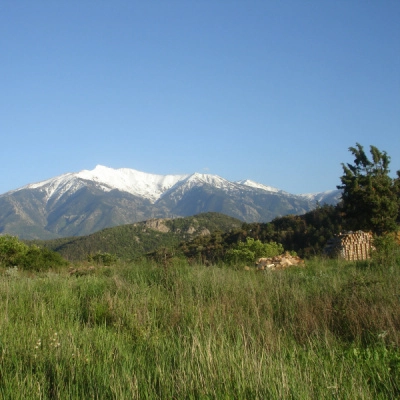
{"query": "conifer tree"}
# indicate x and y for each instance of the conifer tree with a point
(370, 200)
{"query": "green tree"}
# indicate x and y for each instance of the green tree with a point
(369, 199)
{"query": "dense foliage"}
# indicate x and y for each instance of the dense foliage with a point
(102, 258)
(304, 234)
(15, 253)
(250, 250)
(370, 199)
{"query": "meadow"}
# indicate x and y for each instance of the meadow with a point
(329, 330)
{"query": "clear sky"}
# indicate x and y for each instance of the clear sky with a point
(272, 91)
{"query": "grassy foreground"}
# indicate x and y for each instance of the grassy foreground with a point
(330, 330)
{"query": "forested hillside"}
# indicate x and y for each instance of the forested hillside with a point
(305, 234)
(130, 242)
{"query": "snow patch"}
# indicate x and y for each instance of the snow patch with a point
(213, 180)
(256, 185)
(138, 183)
(329, 196)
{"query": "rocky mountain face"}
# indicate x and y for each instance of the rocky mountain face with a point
(76, 204)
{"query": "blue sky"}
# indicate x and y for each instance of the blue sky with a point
(272, 91)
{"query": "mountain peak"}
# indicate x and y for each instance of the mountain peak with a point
(137, 183)
(256, 185)
(150, 186)
(205, 177)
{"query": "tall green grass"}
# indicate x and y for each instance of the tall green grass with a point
(330, 330)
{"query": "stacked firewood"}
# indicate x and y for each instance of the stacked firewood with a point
(351, 246)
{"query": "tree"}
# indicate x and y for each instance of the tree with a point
(369, 200)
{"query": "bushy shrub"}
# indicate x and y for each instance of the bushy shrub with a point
(103, 258)
(38, 259)
(249, 251)
(387, 250)
(14, 252)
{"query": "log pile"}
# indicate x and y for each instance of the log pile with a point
(351, 246)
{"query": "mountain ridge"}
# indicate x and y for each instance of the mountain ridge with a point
(75, 204)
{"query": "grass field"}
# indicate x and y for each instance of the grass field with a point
(330, 330)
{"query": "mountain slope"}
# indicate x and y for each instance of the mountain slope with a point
(81, 203)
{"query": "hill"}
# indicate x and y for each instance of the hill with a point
(305, 234)
(132, 241)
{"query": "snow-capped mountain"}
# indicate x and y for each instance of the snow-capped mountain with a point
(148, 186)
(328, 197)
(80, 203)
